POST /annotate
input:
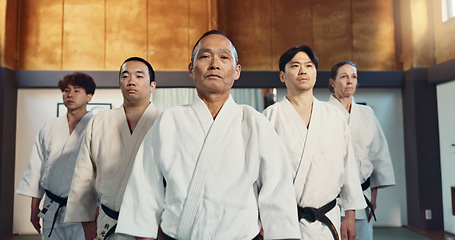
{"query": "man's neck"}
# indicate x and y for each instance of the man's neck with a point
(302, 103)
(134, 112)
(214, 102)
(74, 116)
(345, 101)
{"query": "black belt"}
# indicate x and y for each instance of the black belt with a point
(61, 203)
(166, 237)
(112, 214)
(318, 214)
(365, 186)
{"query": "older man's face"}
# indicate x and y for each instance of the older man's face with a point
(214, 69)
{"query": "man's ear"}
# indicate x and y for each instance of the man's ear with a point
(190, 69)
(281, 76)
(238, 69)
(152, 86)
(89, 97)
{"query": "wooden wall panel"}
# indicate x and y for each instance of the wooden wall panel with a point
(3, 7)
(291, 26)
(126, 31)
(422, 33)
(99, 35)
(247, 23)
(84, 35)
(10, 34)
(407, 45)
(444, 35)
(168, 34)
(373, 31)
(40, 37)
(200, 22)
(332, 32)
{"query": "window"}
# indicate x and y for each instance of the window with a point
(448, 9)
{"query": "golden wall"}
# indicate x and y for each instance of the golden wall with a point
(100, 34)
(444, 35)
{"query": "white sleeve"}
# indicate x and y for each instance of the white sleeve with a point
(351, 194)
(380, 157)
(30, 182)
(276, 198)
(143, 201)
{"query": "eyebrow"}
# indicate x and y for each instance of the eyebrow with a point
(292, 62)
(224, 50)
(138, 71)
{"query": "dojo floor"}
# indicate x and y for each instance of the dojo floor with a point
(379, 234)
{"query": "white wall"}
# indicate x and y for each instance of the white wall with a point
(446, 115)
(387, 105)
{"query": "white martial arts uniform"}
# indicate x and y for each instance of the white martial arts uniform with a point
(220, 174)
(327, 167)
(372, 154)
(104, 164)
(51, 167)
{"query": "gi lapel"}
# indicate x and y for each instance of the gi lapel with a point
(311, 140)
(206, 156)
(63, 170)
(131, 145)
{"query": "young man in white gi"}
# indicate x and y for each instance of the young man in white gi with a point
(53, 158)
(108, 151)
(320, 148)
(370, 146)
(226, 170)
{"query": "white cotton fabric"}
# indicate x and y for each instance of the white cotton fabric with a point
(105, 162)
(249, 156)
(52, 162)
(329, 166)
(370, 147)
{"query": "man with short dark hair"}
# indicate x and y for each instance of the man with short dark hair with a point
(226, 170)
(108, 151)
(322, 157)
(53, 158)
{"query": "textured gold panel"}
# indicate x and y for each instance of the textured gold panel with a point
(332, 32)
(84, 35)
(444, 33)
(3, 7)
(292, 25)
(202, 18)
(373, 31)
(40, 38)
(10, 34)
(248, 25)
(168, 34)
(126, 31)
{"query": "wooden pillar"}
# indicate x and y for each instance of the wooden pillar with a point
(423, 166)
(8, 103)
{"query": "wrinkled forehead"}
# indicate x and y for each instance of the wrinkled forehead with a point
(215, 42)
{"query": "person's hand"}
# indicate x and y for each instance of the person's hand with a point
(374, 195)
(348, 231)
(261, 234)
(89, 230)
(34, 219)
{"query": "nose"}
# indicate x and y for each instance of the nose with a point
(302, 70)
(214, 63)
(131, 82)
